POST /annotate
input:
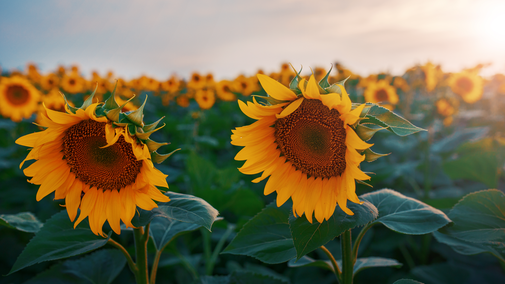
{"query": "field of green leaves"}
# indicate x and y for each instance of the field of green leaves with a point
(433, 211)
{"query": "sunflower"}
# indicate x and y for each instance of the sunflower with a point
(432, 75)
(205, 98)
(171, 85)
(196, 82)
(18, 98)
(97, 159)
(73, 83)
(244, 85)
(183, 100)
(49, 82)
(223, 90)
(306, 144)
(381, 91)
(468, 85)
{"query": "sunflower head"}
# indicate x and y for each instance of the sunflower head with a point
(99, 159)
(305, 141)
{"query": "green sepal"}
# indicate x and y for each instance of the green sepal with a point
(71, 108)
(145, 135)
(333, 88)
(159, 158)
(137, 116)
(153, 145)
(120, 124)
(153, 125)
(324, 82)
(364, 183)
(371, 156)
(89, 100)
(113, 114)
(132, 129)
(269, 100)
(365, 132)
(293, 85)
(110, 103)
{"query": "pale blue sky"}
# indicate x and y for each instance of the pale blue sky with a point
(228, 37)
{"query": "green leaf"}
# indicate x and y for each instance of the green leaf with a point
(266, 236)
(55, 275)
(310, 236)
(369, 262)
(24, 221)
(479, 217)
(371, 156)
(385, 118)
(480, 166)
(247, 277)
(449, 143)
(102, 266)
(189, 209)
(407, 281)
(143, 217)
(441, 273)
(163, 230)
(469, 248)
(405, 215)
(366, 133)
(213, 280)
(58, 239)
(307, 261)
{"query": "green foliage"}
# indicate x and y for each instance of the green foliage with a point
(24, 221)
(369, 262)
(310, 236)
(306, 261)
(266, 236)
(479, 217)
(242, 277)
(58, 239)
(385, 118)
(163, 230)
(99, 267)
(405, 215)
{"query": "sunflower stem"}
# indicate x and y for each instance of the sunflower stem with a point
(206, 248)
(156, 263)
(334, 263)
(358, 241)
(141, 239)
(129, 259)
(218, 249)
(347, 257)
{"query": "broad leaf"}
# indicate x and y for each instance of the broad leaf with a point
(55, 275)
(99, 267)
(24, 221)
(407, 281)
(479, 166)
(469, 248)
(143, 217)
(383, 117)
(451, 142)
(163, 230)
(369, 262)
(247, 277)
(307, 261)
(479, 217)
(266, 236)
(310, 236)
(441, 273)
(58, 239)
(189, 209)
(405, 215)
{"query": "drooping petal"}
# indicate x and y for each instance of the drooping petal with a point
(275, 89)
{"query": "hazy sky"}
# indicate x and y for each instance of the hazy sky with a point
(228, 37)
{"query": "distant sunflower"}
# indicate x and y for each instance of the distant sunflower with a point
(223, 90)
(182, 100)
(18, 98)
(245, 86)
(73, 83)
(49, 82)
(468, 85)
(171, 85)
(431, 75)
(90, 158)
(205, 98)
(196, 81)
(306, 144)
(381, 91)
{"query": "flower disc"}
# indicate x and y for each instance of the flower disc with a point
(108, 168)
(313, 139)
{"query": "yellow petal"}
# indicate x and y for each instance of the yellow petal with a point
(144, 201)
(275, 89)
(87, 204)
(285, 191)
(274, 166)
(155, 194)
(52, 181)
(114, 210)
(245, 109)
(277, 178)
(312, 91)
(290, 108)
(73, 199)
(352, 140)
(331, 100)
(29, 140)
(97, 213)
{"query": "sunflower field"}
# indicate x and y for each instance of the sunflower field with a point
(295, 176)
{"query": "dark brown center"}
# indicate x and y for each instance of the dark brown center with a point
(108, 168)
(17, 94)
(464, 84)
(381, 95)
(313, 139)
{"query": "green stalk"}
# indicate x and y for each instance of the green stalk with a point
(141, 239)
(206, 248)
(334, 263)
(358, 241)
(347, 257)
(156, 263)
(218, 249)
(131, 264)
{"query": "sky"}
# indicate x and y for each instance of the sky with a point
(159, 38)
